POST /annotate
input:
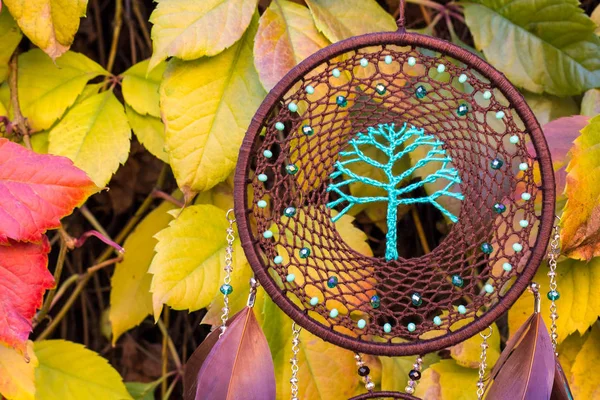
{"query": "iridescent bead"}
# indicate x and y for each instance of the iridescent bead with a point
(310, 90)
(363, 370)
(370, 386)
(388, 59)
(268, 153)
(307, 130)
(500, 115)
(488, 288)
(314, 301)
(304, 252)
(462, 110)
(462, 309)
(289, 212)
(517, 247)
(261, 204)
(279, 126)
(361, 324)
(524, 223)
(290, 278)
(487, 95)
(523, 166)
(334, 313)
(375, 301)
(409, 390)
(437, 320)
(267, 234)
(332, 282)
(387, 328)
(487, 248)
(526, 196)
(514, 139)
(293, 107)
(496, 163)
(341, 101)
(412, 61)
(278, 260)
(457, 281)
(414, 375)
(380, 89)
(462, 78)
(336, 73)
(411, 327)
(553, 295)
(364, 62)
(421, 92)
(262, 177)
(507, 267)
(226, 289)
(416, 299)
(499, 208)
(291, 169)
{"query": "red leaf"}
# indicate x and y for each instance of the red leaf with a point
(24, 277)
(36, 191)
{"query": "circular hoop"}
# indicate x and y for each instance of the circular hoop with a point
(516, 101)
(384, 395)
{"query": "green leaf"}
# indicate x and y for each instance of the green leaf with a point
(207, 106)
(339, 20)
(39, 142)
(394, 370)
(69, 371)
(579, 303)
(95, 135)
(130, 297)
(47, 89)
(49, 24)
(143, 391)
(140, 91)
(590, 105)
(548, 108)
(541, 45)
(150, 131)
(190, 255)
(286, 35)
(193, 29)
(10, 36)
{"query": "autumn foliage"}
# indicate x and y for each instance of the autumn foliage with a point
(120, 125)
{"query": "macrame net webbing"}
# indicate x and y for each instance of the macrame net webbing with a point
(472, 142)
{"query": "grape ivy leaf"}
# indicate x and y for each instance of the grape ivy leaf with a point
(286, 35)
(542, 46)
(24, 277)
(447, 380)
(10, 36)
(150, 131)
(69, 371)
(47, 88)
(17, 373)
(140, 91)
(130, 297)
(36, 191)
(94, 134)
(590, 104)
(583, 384)
(339, 20)
(207, 106)
(193, 29)
(580, 236)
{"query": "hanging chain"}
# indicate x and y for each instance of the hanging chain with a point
(364, 371)
(553, 294)
(294, 360)
(483, 363)
(414, 375)
(226, 288)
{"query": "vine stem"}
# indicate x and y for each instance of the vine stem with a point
(164, 353)
(60, 262)
(19, 121)
(116, 33)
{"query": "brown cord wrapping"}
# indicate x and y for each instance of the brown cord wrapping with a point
(472, 141)
(384, 395)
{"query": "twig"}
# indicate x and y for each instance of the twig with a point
(18, 121)
(171, 387)
(116, 33)
(91, 270)
(142, 23)
(171, 345)
(92, 220)
(60, 262)
(159, 194)
(100, 34)
(164, 353)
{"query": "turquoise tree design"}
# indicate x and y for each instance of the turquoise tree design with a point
(395, 145)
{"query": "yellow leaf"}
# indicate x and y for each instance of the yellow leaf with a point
(583, 378)
(207, 106)
(10, 36)
(568, 350)
(130, 297)
(466, 353)
(339, 20)
(95, 135)
(220, 196)
(190, 255)
(447, 381)
(39, 142)
(286, 36)
(590, 104)
(580, 236)
(140, 91)
(190, 29)
(150, 131)
(49, 24)
(17, 376)
(47, 89)
(394, 374)
(578, 305)
(69, 371)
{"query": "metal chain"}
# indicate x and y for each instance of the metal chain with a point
(294, 360)
(226, 288)
(483, 363)
(553, 294)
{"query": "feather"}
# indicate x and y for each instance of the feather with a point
(560, 389)
(525, 371)
(239, 366)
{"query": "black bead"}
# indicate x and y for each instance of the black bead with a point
(364, 370)
(414, 375)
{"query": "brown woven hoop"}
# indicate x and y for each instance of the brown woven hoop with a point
(256, 254)
(384, 395)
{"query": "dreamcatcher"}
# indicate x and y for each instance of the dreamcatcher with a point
(399, 119)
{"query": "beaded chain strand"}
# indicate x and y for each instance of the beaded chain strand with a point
(226, 288)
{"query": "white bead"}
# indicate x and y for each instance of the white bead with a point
(441, 68)
(370, 386)
(409, 389)
(514, 139)
(412, 61)
(463, 78)
(523, 166)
